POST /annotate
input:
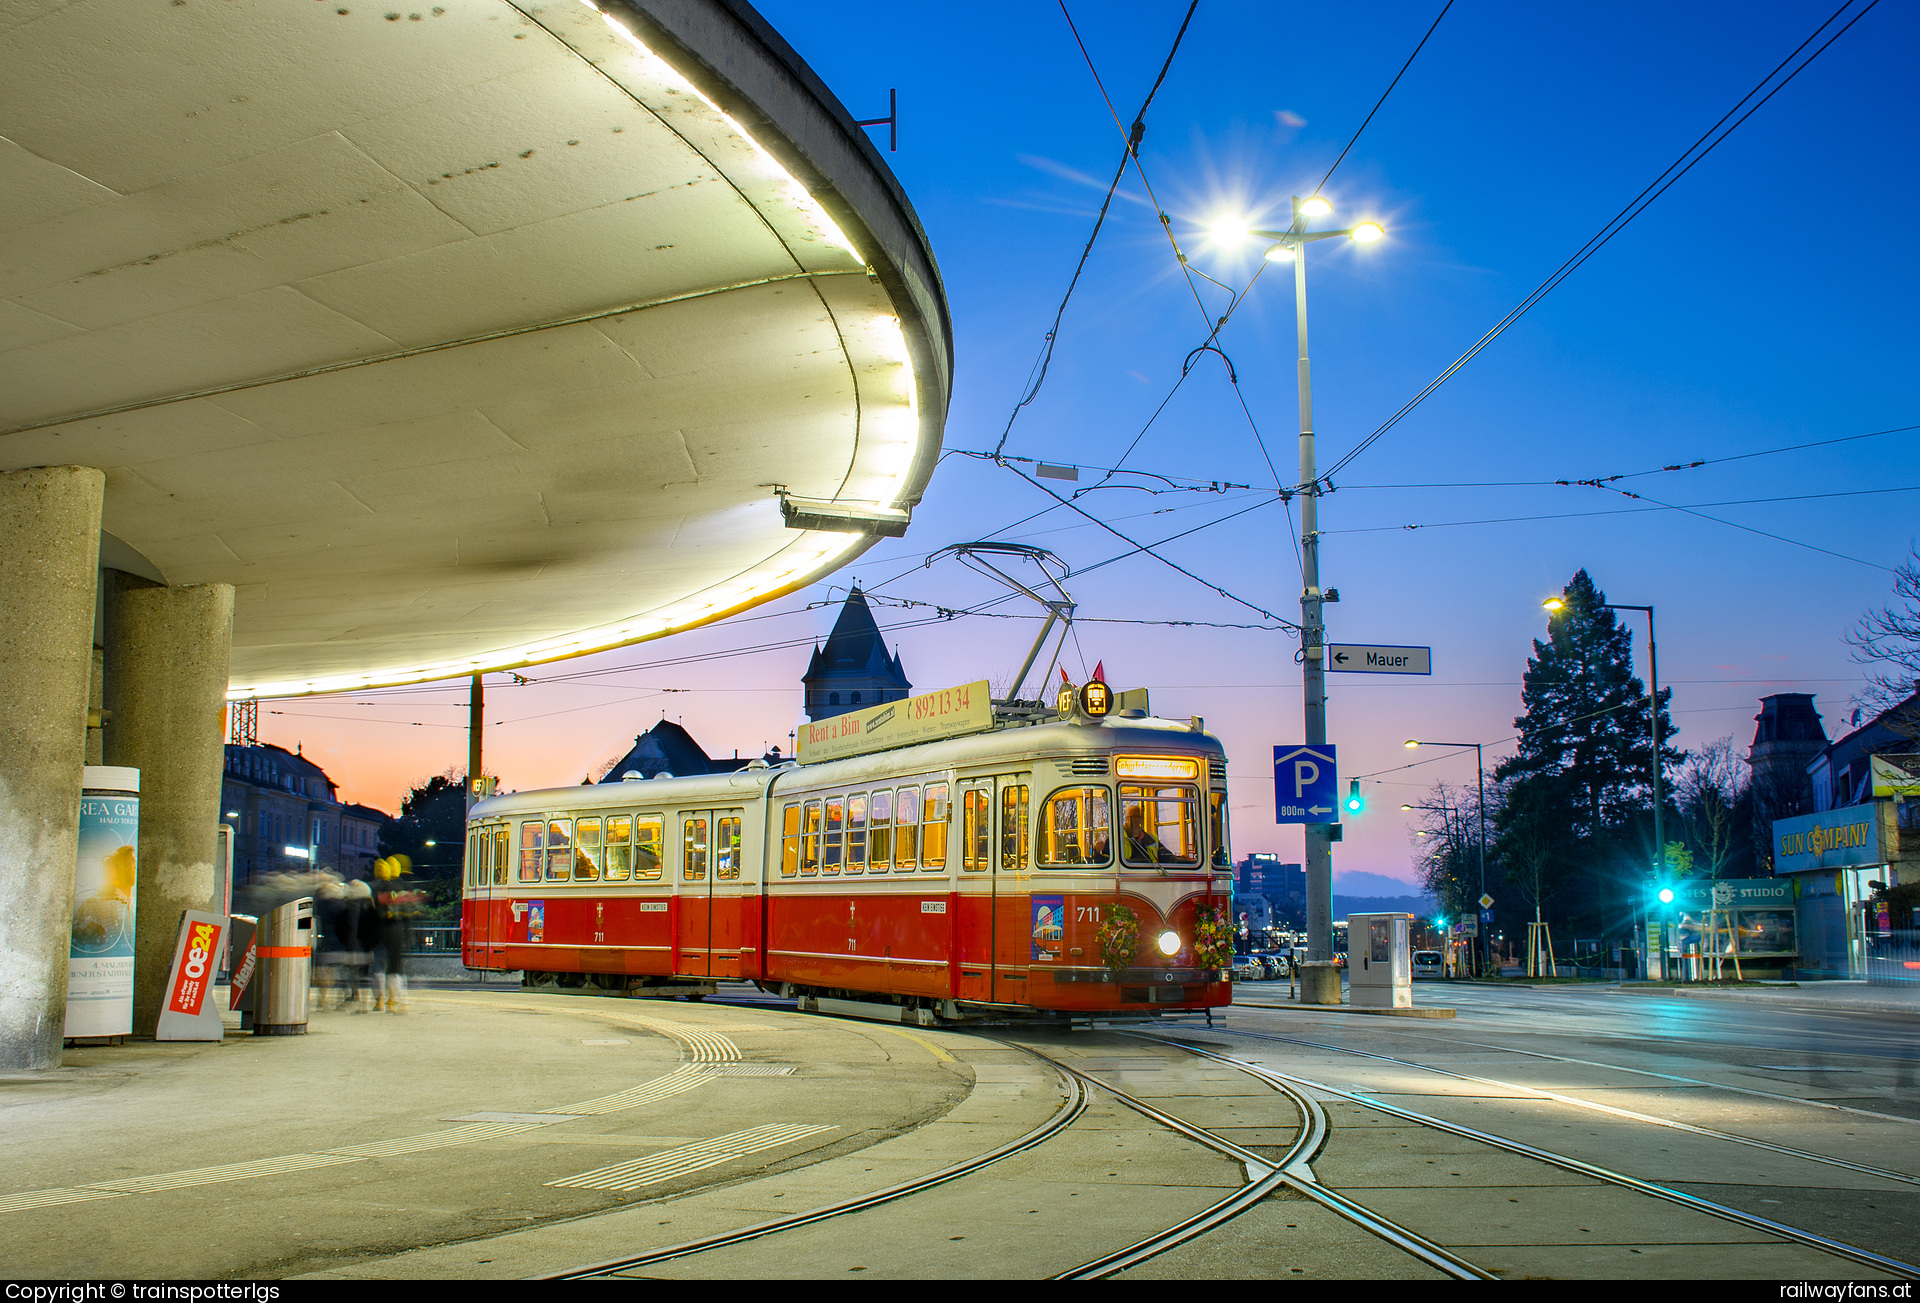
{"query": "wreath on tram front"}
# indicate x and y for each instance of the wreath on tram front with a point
(1213, 937)
(1119, 936)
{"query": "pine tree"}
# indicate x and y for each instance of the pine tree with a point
(1582, 766)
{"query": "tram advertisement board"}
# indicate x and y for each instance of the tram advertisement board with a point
(950, 712)
(100, 959)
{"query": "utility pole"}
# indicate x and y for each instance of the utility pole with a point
(475, 704)
(1313, 669)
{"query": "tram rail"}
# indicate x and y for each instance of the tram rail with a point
(1809, 1239)
(1072, 1108)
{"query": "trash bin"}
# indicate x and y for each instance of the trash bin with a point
(283, 955)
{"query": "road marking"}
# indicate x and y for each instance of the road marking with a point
(923, 1043)
(657, 1168)
(688, 1076)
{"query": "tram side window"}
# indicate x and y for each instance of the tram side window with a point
(1013, 827)
(619, 864)
(1074, 828)
(790, 840)
(977, 832)
(810, 841)
(935, 814)
(473, 858)
(835, 813)
(1159, 824)
(559, 849)
(649, 839)
(533, 841)
(693, 858)
(880, 831)
(726, 849)
(1217, 829)
(586, 850)
(857, 832)
(906, 830)
(502, 853)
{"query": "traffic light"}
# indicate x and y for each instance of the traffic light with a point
(1355, 802)
(1666, 895)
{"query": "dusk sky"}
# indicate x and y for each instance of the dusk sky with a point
(1765, 301)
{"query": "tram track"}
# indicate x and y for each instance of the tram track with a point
(1713, 1133)
(1265, 1176)
(1074, 1105)
(1751, 1221)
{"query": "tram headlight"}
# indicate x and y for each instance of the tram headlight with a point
(1169, 944)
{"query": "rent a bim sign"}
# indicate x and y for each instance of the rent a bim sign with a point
(949, 712)
(1832, 839)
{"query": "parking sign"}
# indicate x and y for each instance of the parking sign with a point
(1305, 779)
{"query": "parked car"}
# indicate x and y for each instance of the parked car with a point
(1428, 963)
(1247, 968)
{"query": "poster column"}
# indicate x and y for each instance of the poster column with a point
(100, 960)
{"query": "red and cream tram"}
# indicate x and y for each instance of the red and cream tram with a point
(1072, 866)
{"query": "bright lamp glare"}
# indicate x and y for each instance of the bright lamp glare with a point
(1169, 943)
(1554, 604)
(1666, 895)
(1229, 231)
(1280, 253)
(1315, 206)
(1368, 232)
(1411, 743)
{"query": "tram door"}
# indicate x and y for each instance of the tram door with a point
(1012, 891)
(710, 901)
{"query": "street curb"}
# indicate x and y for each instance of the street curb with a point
(1424, 1011)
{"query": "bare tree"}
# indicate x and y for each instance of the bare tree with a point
(1708, 788)
(1887, 642)
(1446, 844)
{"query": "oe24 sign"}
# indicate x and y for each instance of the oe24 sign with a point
(1305, 783)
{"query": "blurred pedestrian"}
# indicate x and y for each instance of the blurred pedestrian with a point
(358, 934)
(329, 963)
(395, 903)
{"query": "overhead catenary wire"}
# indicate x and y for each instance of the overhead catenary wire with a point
(1039, 374)
(1383, 98)
(1685, 163)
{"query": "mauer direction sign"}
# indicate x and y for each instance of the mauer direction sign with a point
(1378, 658)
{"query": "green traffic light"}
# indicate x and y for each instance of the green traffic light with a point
(1355, 802)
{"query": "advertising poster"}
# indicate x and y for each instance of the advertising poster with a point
(536, 921)
(100, 961)
(1049, 927)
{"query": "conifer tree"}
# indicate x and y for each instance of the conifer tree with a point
(1582, 767)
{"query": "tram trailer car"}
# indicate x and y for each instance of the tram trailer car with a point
(1071, 867)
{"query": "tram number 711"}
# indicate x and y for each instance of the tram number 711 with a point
(1086, 913)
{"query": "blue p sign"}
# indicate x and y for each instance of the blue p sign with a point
(1305, 781)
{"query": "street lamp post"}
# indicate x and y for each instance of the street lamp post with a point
(1555, 605)
(1480, 778)
(1290, 246)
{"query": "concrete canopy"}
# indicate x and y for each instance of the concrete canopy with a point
(461, 337)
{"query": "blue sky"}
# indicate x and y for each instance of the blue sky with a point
(1766, 300)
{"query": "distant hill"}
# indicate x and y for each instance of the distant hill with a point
(1357, 882)
(1420, 906)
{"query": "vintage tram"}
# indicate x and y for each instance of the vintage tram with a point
(1074, 866)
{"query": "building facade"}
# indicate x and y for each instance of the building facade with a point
(286, 816)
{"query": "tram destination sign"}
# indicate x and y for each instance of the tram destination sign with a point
(1378, 658)
(950, 712)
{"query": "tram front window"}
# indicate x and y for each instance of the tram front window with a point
(1217, 829)
(1074, 828)
(1160, 825)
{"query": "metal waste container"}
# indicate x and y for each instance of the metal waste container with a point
(283, 954)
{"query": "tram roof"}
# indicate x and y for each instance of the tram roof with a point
(1148, 736)
(462, 339)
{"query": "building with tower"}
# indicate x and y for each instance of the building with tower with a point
(853, 670)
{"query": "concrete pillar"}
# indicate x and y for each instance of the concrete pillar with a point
(50, 560)
(167, 652)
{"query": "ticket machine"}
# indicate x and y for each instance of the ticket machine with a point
(1380, 961)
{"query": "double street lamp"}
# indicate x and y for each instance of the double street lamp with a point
(1480, 777)
(1290, 245)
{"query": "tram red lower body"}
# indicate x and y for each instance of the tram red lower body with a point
(936, 946)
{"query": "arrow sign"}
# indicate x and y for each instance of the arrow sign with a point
(1305, 784)
(1378, 658)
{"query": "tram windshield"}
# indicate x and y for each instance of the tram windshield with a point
(1161, 825)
